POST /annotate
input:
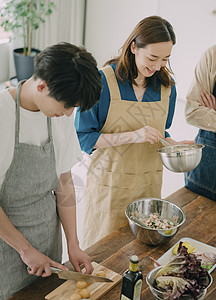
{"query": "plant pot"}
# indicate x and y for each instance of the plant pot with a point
(24, 65)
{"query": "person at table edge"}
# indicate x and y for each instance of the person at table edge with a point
(136, 106)
(200, 111)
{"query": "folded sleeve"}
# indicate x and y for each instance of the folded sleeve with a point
(89, 123)
(204, 79)
(66, 144)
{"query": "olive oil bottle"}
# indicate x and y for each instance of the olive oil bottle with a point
(132, 281)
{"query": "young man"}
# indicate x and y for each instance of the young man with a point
(38, 148)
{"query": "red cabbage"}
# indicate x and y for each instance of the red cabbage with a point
(182, 275)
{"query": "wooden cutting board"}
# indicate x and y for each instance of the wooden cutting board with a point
(97, 289)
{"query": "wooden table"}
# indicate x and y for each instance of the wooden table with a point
(114, 250)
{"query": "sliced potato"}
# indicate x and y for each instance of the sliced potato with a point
(101, 274)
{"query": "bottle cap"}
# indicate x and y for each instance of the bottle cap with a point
(134, 259)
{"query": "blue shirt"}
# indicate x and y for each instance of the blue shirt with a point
(89, 123)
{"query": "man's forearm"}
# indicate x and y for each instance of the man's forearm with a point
(66, 205)
(11, 235)
(200, 116)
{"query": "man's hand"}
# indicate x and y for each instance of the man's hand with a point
(208, 100)
(38, 263)
(79, 258)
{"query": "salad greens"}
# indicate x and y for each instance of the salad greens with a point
(178, 285)
(207, 266)
(181, 275)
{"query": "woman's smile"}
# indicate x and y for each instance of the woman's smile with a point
(151, 72)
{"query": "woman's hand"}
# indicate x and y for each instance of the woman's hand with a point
(79, 258)
(207, 99)
(184, 142)
(147, 134)
(38, 263)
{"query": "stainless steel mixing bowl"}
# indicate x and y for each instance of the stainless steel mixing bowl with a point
(181, 158)
(159, 295)
(142, 208)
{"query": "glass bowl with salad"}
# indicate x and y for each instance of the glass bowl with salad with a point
(182, 278)
(154, 221)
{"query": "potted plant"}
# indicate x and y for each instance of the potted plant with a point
(23, 17)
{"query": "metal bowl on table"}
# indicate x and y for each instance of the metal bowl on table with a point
(181, 158)
(142, 208)
(159, 295)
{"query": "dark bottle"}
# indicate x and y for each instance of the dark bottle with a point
(132, 281)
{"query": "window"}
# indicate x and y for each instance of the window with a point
(3, 35)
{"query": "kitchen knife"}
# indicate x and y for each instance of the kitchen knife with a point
(71, 275)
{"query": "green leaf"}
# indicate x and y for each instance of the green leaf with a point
(18, 15)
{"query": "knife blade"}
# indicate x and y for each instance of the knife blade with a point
(71, 275)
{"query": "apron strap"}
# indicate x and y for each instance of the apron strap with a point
(17, 101)
(165, 92)
(17, 115)
(114, 89)
(112, 83)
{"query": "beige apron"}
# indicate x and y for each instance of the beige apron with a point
(119, 175)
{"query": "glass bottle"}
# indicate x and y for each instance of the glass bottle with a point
(132, 281)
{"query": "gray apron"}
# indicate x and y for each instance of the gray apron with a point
(27, 198)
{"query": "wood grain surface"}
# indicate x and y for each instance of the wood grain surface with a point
(114, 251)
(97, 289)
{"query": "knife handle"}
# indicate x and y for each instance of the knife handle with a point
(55, 270)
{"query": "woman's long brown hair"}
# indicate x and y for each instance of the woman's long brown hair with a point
(150, 30)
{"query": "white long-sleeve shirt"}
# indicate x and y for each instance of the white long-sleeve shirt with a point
(204, 79)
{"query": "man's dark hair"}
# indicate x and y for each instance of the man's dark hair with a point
(71, 75)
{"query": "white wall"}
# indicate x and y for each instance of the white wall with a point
(194, 25)
(109, 23)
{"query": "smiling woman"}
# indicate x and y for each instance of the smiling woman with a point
(153, 57)
(122, 131)
(149, 60)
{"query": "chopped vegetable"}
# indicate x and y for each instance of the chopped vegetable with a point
(155, 221)
(207, 259)
(207, 266)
